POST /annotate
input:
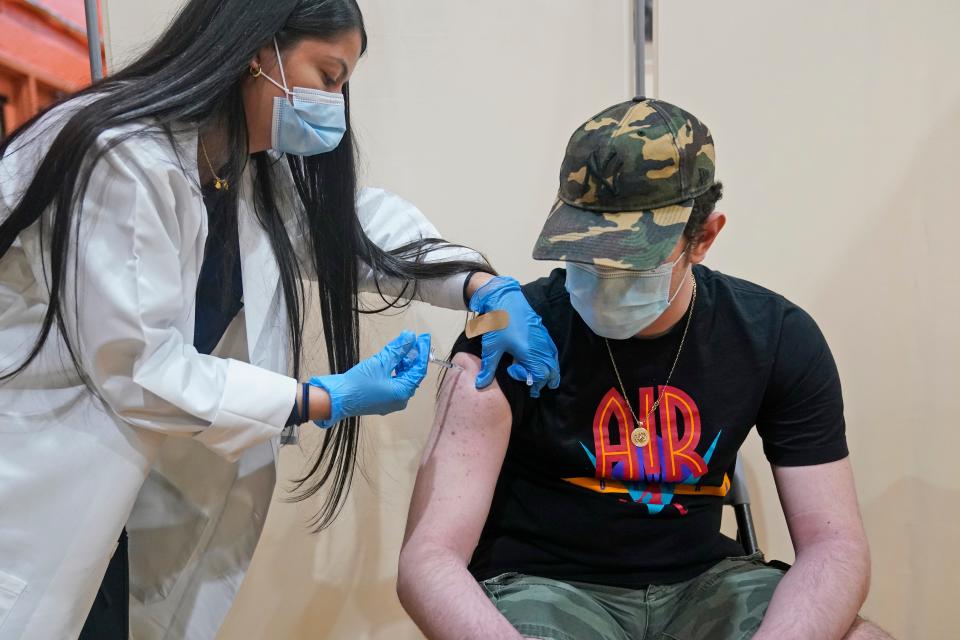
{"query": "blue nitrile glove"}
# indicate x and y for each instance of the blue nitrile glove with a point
(414, 356)
(525, 338)
(372, 387)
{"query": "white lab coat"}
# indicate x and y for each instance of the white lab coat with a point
(182, 445)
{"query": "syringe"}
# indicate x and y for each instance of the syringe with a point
(446, 364)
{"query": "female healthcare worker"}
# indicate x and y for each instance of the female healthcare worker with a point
(154, 230)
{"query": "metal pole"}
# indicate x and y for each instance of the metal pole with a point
(640, 46)
(93, 39)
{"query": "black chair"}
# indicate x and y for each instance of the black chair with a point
(739, 498)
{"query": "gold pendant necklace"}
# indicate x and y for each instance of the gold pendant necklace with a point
(640, 436)
(219, 183)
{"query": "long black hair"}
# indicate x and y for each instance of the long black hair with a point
(191, 78)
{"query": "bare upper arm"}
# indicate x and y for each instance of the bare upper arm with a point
(820, 503)
(461, 463)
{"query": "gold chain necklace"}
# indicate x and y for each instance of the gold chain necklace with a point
(220, 182)
(640, 436)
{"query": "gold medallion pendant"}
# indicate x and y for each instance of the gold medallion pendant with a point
(221, 184)
(640, 436)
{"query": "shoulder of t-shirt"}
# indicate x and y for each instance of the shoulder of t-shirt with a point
(766, 313)
(744, 294)
(736, 286)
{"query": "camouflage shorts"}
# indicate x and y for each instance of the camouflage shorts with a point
(726, 602)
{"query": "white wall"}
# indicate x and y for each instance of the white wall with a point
(465, 108)
(837, 128)
(130, 26)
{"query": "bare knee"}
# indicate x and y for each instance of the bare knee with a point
(866, 630)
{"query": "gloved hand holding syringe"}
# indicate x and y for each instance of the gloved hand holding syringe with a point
(413, 355)
(384, 382)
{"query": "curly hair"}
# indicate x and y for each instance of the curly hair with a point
(703, 206)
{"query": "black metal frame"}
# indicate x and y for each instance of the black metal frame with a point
(739, 498)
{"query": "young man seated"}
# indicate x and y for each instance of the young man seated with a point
(593, 512)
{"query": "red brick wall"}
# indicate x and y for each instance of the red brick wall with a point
(43, 54)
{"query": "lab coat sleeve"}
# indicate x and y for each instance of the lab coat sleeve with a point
(129, 280)
(391, 222)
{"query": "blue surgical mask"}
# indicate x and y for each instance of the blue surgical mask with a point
(306, 122)
(616, 303)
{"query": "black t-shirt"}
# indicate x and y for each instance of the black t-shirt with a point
(576, 500)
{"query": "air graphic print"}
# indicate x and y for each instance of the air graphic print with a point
(668, 465)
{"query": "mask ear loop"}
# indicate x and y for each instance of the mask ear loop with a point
(283, 76)
(683, 254)
(259, 73)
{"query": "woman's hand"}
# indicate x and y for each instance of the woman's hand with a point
(525, 338)
(379, 385)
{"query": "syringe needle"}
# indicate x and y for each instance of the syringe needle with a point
(446, 364)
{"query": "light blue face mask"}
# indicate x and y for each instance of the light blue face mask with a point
(619, 304)
(306, 122)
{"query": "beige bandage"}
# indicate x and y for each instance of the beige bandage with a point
(487, 322)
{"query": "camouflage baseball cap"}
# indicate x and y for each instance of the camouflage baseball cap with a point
(627, 186)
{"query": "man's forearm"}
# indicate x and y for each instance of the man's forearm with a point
(445, 601)
(820, 596)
